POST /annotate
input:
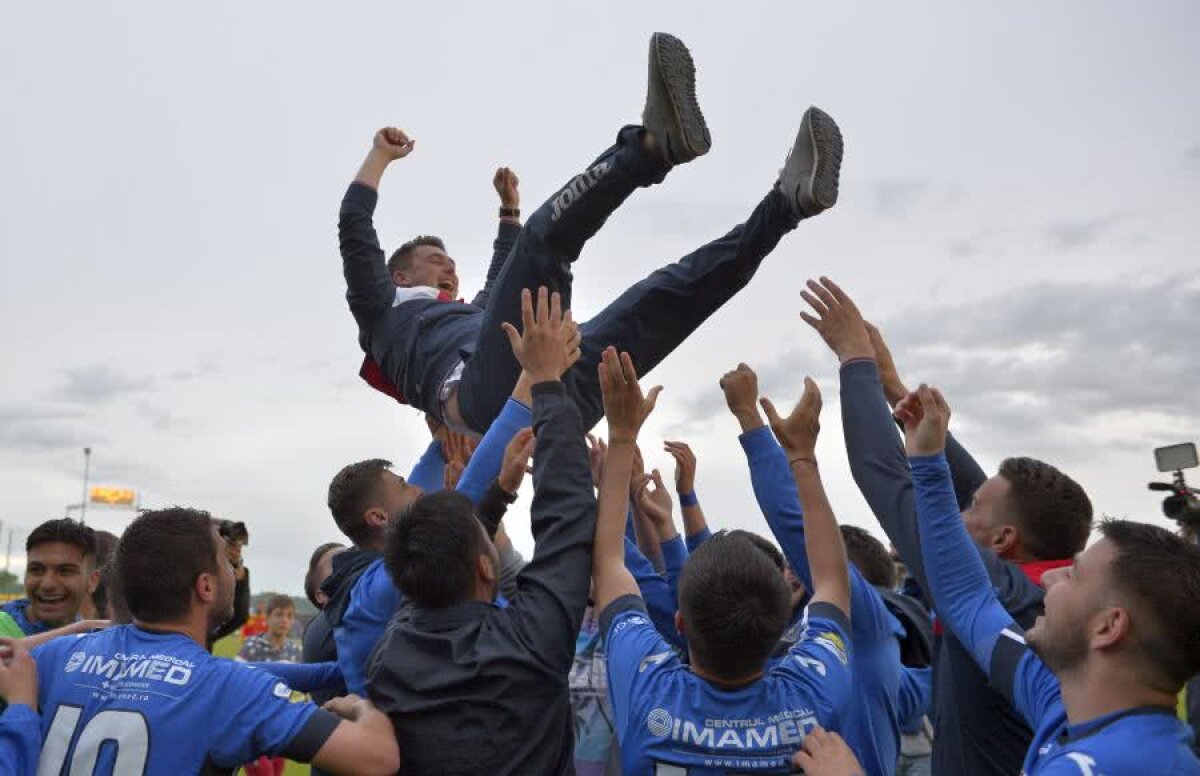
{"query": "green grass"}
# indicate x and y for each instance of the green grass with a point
(228, 647)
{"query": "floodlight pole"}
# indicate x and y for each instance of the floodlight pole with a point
(87, 462)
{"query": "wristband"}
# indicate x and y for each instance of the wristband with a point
(510, 212)
(802, 458)
(688, 499)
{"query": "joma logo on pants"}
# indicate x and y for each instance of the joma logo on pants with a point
(578, 187)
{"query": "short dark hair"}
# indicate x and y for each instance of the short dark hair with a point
(735, 605)
(280, 601)
(64, 530)
(430, 551)
(158, 559)
(310, 577)
(870, 556)
(352, 493)
(764, 546)
(1051, 509)
(401, 260)
(1161, 573)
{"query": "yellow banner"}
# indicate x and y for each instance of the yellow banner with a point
(113, 496)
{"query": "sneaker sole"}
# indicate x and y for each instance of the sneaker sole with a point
(827, 150)
(679, 77)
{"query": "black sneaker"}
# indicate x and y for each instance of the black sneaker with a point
(809, 178)
(672, 114)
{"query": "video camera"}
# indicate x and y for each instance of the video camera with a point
(1183, 505)
(235, 531)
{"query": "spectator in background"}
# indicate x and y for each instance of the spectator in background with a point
(60, 575)
(274, 645)
(236, 537)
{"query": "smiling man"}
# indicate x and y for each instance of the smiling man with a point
(60, 573)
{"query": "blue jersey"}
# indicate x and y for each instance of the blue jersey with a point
(670, 720)
(17, 611)
(1135, 741)
(130, 701)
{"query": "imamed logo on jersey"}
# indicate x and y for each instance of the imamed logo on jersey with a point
(833, 642)
(121, 667)
(578, 186)
(785, 729)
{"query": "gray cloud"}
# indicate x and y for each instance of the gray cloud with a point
(1070, 234)
(36, 428)
(897, 197)
(99, 384)
(1192, 156)
(1053, 366)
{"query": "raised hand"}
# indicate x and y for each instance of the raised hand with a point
(740, 387)
(926, 416)
(597, 451)
(506, 182)
(515, 465)
(625, 406)
(392, 143)
(797, 433)
(889, 375)
(541, 346)
(826, 754)
(654, 500)
(838, 321)
(685, 466)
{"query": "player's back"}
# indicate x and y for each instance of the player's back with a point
(132, 701)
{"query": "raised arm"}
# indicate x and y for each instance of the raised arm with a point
(506, 184)
(958, 580)
(369, 286)
(626, 409)
(777, 496)
(20, 725)
(695, 525)
(552, 589)
(797, 435)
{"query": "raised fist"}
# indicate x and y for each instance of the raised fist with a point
(392, 143)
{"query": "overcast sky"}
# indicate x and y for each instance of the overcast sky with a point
(1018, 213)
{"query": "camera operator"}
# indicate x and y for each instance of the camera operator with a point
(236, 537)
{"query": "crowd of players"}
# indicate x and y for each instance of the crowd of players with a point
(1007, 645)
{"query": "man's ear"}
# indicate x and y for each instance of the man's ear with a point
(93, 581)
(680, 625)
(205, 587)
(484, 568)
(400, 279)
(376, 519)
(1108, 627)
(1005, 541)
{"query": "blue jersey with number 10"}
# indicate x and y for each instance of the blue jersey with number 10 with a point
(130, 701)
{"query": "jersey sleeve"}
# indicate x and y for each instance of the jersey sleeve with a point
(20, 740)
(373, 601)
(633, 652)
(1022, 677)
(820, 662)
(256, 718)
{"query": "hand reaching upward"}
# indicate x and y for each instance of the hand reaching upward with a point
(837, 320)
(541, 347)
(926, 416)
(797, 433)
(625, 406)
